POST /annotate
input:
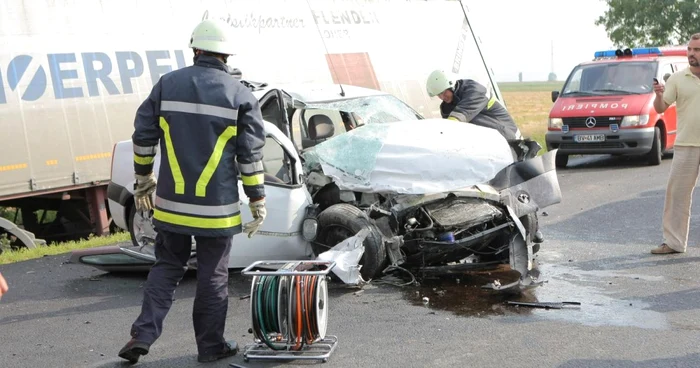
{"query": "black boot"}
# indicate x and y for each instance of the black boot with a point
(230, 349)
(133, 350)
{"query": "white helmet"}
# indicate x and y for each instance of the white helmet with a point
(437, 83)
(214, 36)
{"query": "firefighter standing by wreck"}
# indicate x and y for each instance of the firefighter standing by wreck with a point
(468, 101)
(208, 127)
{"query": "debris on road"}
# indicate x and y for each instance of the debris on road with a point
(545, 305)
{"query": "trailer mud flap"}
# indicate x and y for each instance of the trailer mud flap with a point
(25, 237)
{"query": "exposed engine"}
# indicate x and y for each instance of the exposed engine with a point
(451, 229)
(432, 232)
(451, 219)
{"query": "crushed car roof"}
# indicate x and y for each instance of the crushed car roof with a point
(411, 157)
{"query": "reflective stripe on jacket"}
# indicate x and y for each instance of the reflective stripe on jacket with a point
(208, 127)
(472, 103)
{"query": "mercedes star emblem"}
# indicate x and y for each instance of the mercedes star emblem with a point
(590, 122)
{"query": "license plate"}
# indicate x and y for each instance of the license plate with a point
(590, 138)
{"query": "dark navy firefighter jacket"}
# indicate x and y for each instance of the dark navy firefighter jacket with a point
(208, 126)
(471, 104)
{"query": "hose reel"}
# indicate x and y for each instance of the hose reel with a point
(289, 311)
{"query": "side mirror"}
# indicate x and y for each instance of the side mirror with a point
(555, 95)
(666, 76)
(321, 127)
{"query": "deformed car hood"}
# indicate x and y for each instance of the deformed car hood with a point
(411, 157)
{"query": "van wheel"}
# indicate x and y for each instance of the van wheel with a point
(561, 160)
(342, 221)
(654, 156)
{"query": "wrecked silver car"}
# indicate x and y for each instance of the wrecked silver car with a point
(436, 196)
(432, 195)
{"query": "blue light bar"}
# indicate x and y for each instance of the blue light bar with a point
(646, 51)
(609, 53)
(635, 51)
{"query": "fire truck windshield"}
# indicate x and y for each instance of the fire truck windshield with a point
(614, 77)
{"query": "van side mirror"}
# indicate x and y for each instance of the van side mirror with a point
(555, 95)
(666, 76)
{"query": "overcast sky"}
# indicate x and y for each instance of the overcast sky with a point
(517, 35)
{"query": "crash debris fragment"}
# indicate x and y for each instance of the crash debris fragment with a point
(347, 255)
(546, 305)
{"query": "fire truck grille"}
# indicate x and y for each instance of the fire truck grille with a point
(600, 121)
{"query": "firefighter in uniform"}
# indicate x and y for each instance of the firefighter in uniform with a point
(208, 127)
(468, 101)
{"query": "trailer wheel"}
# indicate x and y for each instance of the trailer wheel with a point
(140, 228)
(342, 221)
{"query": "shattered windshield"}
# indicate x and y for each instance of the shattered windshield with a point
(631, 77)
(358, 165)
(411, 157)
(350, 114)
(371, 109)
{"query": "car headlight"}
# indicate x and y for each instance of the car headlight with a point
(555, 123)
(309, 229)
(635, 120)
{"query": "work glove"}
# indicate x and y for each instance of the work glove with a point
(145, 186)
(259, 212)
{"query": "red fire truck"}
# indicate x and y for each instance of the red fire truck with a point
(606, 105)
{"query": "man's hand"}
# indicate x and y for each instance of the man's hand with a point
(659, 104)
(145, 186)
(257, 208)
(658, 88)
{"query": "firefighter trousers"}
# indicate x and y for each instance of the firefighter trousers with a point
(172, 252)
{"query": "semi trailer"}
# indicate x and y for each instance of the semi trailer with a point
(72, 74)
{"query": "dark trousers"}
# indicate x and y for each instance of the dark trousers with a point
(172, 252)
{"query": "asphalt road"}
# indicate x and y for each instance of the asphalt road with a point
(638, 309)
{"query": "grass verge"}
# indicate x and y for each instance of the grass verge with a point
(25, 254)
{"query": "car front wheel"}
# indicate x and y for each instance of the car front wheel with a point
(342, 221)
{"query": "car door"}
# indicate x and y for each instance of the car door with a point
(286, 200)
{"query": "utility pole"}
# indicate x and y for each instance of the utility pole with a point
(552, 76)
